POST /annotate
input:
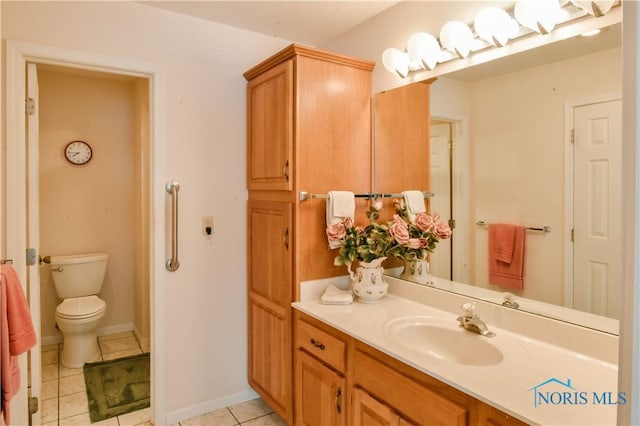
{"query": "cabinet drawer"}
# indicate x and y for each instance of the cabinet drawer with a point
(324, 346)
(418, 403)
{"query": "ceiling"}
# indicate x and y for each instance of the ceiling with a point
(302, 21)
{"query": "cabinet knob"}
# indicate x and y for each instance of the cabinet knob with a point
(317, 344)
(285, 239)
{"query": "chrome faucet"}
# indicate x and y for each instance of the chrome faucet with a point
(509, 301)
(470, 321)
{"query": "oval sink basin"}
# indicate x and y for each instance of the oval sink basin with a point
(454, 345)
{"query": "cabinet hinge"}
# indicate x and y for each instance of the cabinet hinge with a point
(33, 404)
(573, 136)
(30, 106)
(572, 234)
(452, 223)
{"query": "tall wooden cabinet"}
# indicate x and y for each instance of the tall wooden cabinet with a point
(308, 129)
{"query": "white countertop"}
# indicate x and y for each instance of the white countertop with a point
(509, 385)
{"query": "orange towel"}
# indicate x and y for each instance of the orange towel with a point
(17, 334)
(506, 256)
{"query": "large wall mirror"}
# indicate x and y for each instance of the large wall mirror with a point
(536, 142)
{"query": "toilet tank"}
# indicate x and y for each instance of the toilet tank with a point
(78, 275)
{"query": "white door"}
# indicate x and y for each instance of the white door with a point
(33, 234)
(440, 260)
(597, 212)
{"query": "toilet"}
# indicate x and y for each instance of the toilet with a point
(77, 280)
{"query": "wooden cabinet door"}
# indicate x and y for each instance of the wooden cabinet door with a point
(270, 129)
(270, 249)
(320, 393)
(402, 115)
(270, 352)
(368, 411)
(270, 332)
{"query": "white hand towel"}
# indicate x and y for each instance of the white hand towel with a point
(340, 205)
(414, 200)
(334, 296)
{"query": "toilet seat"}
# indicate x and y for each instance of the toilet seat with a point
(81, 307)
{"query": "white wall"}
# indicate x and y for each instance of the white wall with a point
(205, 152)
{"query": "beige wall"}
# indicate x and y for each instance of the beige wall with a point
(205, 150)
(517, 140)
(89, 208)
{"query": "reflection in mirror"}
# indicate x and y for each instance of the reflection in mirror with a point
(502, 151)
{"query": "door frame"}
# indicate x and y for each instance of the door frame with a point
(461, 195)
(569, 106)
(18, 53)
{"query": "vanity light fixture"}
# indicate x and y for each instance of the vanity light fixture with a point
(596, 8)
(538, 15)
(495, 26)
(424, 49)
(456, 37)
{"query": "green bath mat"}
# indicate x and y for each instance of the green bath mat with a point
(117, 387)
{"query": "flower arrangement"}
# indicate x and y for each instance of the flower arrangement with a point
(360, 243)
(412, 240)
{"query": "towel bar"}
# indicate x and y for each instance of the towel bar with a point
(544, 229)
(304, 195)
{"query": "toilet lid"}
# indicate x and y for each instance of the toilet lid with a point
(78, 307)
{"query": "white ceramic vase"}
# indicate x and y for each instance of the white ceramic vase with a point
(367, 282)
(417, 271)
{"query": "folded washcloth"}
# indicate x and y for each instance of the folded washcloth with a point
(340, 205)
(334, 296)
(414, 200)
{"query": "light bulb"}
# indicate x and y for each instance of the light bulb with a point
(495, 26)
(456, 37)
(396, 61)
(424, 49)
(596, 8)
(538, 15)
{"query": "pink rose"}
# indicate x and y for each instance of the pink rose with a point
(399, 230)
(435, 216)
(414, 243)
(442, 230)
(336, 231)
(348, 222)
(360, 229)
(398, 204)
(424, 222)
(377, 205)
(424, 243)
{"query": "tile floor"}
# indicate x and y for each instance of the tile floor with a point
(64, 398)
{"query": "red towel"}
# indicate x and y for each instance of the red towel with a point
(506, 255)
(17, 334)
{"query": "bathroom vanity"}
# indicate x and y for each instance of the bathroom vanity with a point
(402, 362)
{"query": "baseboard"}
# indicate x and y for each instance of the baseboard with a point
(215, 404)
(51, 340)
(145, 342)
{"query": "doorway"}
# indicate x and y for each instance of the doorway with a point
(97, 206)
(449, 182)
(594, 212)
(23, 217)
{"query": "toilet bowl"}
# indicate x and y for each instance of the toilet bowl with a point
(78, 319)
(77, 280)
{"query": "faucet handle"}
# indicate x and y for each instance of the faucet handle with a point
(468, 309)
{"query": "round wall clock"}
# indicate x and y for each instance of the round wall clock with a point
(78, 152)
